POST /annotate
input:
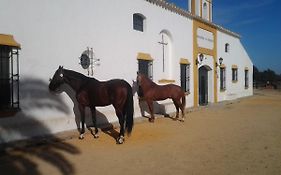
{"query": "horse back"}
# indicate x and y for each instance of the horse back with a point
(106, 92)
(162, 92)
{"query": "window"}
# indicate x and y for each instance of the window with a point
(226, 48)
(9, 78)
(234, 74)
(205, 11)
(145, 67)
(246, 78)
(185, 77)
(222, 78)
(138, 22)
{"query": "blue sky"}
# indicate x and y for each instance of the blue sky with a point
(259, 24)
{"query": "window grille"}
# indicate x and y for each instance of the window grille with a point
(185, 77)
(9, 77)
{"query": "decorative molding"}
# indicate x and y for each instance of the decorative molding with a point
(144, 56)
(8, 40)
(184, 61)
(166, 81)
(222, 66)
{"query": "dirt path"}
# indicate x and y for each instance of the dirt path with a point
(239, 137)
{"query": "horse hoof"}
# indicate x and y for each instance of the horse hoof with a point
(96, 136)
(81, 136)
(151, 120)
(120, 140)
(182, 120)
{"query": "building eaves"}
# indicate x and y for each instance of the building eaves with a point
(173, 8)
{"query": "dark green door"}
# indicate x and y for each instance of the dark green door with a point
(203, 86)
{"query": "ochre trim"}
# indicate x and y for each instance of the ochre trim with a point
(166, 81)
(234, 66)
(8, 40)
(222, 66)
(184, 61)
(193, 7)
(197, 50)
(144, 56)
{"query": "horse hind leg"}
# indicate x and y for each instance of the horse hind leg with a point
(121, 138)
(182, 112)
(94, 118)
(82, 112)
(177, 108)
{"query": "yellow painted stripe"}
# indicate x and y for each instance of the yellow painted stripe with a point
(197, 50)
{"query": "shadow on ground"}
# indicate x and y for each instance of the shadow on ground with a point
(18, 157)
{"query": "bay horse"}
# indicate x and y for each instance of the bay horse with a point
(91, 93)
(150, 91)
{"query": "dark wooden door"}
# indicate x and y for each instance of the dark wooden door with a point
(203, 86)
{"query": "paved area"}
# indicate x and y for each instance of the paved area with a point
(238, 137)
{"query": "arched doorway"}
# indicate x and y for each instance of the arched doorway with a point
(203, 85)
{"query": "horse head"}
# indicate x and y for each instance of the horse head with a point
(140, 78)
(57, 80)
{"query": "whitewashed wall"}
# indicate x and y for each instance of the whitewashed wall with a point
(236, 56)
(53, 33)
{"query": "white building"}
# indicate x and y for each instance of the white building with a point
(170, 44)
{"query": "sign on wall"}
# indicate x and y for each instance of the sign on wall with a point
(205, 39)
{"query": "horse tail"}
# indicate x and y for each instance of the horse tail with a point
(129, 110)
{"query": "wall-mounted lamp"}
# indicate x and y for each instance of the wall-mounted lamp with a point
(201, 57)
(220, 62)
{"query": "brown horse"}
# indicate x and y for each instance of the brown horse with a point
(91, 92)
(150, 91)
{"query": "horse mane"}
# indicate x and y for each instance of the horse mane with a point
(75, 74)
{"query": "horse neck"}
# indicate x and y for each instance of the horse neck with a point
(147, 83)
(74, 79)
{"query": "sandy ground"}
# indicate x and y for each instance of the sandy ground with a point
(237, 137)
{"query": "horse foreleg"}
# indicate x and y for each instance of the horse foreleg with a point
(82, 113)
(94, 118)
(150, 106)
